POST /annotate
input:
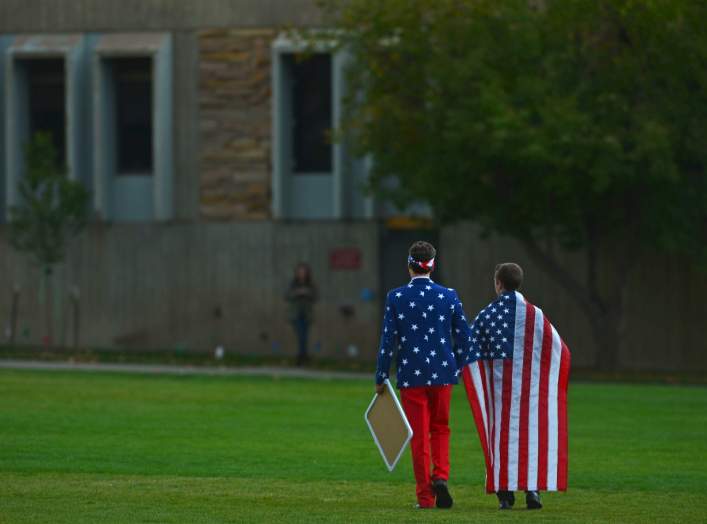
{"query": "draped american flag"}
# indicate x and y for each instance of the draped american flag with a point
(517, 391)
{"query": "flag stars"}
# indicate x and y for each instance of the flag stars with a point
(412, 304)
(434, 376)
(430, 307)
(433, 353)
(440, 296)
(441, 318)
(422, 293)
(401, 316)
(405, 362)
(428, 288)
(403, 339)
(431, 330)
(416, 350)
(442, 340)
(414, 327)
(418, 372)
(424, 315)
(398, 294)
(406, 384)
(426, 338)
(444, 363)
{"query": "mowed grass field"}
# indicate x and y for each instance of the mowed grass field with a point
(94, 447)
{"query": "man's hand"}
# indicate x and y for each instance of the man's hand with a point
(380, 388)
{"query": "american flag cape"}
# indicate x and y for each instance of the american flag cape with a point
(517, 391)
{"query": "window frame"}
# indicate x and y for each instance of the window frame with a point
(133, 197)
(72, 49)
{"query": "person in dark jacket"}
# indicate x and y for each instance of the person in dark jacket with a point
(301, 296)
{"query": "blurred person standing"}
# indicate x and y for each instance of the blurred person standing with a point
(301, 296)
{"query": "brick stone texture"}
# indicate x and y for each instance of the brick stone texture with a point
(235, 123)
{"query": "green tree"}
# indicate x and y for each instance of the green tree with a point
(578, 123)
(52, 210)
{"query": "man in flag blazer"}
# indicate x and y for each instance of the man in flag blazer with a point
(425, 323)
(517, 389)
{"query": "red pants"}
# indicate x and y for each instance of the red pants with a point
(427, 410)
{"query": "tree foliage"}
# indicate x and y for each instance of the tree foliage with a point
(52, 208)
(573, 119)
(578, 122)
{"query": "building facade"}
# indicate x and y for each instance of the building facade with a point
(204, 140)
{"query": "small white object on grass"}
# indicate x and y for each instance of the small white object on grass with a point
(219, 352)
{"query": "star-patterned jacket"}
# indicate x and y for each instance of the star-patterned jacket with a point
(425, 322)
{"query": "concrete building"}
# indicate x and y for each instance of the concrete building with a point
(202, 139)
(203, 142)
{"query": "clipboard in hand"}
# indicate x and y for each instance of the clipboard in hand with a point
(389, 426)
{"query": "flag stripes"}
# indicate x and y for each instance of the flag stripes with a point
(520, 407)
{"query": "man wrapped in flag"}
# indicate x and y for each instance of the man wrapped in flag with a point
(517, 391)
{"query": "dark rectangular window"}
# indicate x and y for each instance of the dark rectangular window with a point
(311, 112)
(133, 114)
(47, 100)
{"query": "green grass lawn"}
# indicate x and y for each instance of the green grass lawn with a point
(83, 447)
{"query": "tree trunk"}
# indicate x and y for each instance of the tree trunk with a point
(604, 312)
(605, 329)
(48, 307)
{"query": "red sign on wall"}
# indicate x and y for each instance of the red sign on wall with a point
(345, 258)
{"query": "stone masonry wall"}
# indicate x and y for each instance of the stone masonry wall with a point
(235, 123)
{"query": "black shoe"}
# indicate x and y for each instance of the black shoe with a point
(444, 499)
(532, 500)
(506, 499)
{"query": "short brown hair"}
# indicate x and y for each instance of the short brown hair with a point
(510, 275)
(420, 251)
